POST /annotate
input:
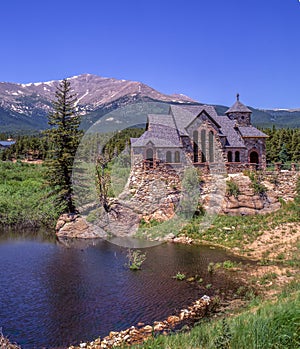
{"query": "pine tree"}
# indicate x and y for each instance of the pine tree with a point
(64, 137)
(283, 154)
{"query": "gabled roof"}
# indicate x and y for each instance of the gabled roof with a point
(161, 119)
(197, 109)
(160, 135)
(133, 140)
(229, 129)
(185, 115)
(181, 118)
(251, 131)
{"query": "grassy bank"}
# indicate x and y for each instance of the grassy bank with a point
(232, 230)
(238, 231)
(24, 196)
(269, 325)
(271, 319)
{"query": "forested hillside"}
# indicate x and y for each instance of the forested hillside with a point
(283, 145)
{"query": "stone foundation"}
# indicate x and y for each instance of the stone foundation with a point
(155, 194)
(279, 185)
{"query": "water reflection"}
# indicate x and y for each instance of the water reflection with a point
(57, 293)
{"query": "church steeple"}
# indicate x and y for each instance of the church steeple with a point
(240, 113)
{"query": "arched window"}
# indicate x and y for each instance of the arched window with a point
(149, 156)
(195, 146)
(177, 156)
(169, 157)
(211, 146)
(229, 156)
(237, 156)
(203, 146)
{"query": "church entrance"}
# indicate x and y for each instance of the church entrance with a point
(254, 159)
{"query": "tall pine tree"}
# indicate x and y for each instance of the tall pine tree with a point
(65, 137)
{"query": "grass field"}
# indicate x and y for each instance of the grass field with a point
(24, 196)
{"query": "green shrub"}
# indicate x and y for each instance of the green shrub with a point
(179, 276)
(135, 259)
(230, 264)
(257, 186)
(232, 188)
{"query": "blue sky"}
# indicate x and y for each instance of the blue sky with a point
(208, 50)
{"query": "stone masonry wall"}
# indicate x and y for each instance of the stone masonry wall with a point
(278, 184)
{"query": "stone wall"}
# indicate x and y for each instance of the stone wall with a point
(282, 183)
(247, 201)
(242, 118)
(258, 145)
(279, 185)
(155, 193)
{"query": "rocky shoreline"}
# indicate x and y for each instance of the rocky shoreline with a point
(6, 344)
(141, 333)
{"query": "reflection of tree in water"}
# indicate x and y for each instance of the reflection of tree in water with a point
(67, 293)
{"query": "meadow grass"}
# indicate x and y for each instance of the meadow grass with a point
(235, 231)
(25, 198)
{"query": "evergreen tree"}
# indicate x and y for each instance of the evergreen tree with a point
(65, 137)
(283, 154)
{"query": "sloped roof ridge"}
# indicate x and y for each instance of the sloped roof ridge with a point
(238, 107)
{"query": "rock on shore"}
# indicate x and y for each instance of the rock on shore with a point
(136, 334)
(76, 226)
(6, 344)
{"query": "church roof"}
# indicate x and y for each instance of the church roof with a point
(161, 119)
(166, 130)
(184, 115)
(229, 129)
(238, 107)
(161, 134)
(251, 131)
(197, 109)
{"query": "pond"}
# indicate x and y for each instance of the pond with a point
(55, 294)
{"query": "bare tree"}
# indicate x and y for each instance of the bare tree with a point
(103, 180)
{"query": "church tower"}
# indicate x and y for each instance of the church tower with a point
(240, 113)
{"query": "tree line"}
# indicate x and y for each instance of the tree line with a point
(283, 145)
(40, 147)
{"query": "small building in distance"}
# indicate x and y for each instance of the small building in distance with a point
(198, 135)
(7, 143)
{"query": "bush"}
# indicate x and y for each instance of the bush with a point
(135, 259)
(232, 188)
(179, 276)
(257, 186)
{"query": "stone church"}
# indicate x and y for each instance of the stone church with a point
(199, 135)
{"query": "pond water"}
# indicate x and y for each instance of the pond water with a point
(54, 294)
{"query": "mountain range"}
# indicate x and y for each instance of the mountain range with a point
(25, 107)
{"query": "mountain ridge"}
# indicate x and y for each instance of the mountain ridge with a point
(26, 106)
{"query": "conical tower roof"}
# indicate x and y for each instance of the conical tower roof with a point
(238, 107)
